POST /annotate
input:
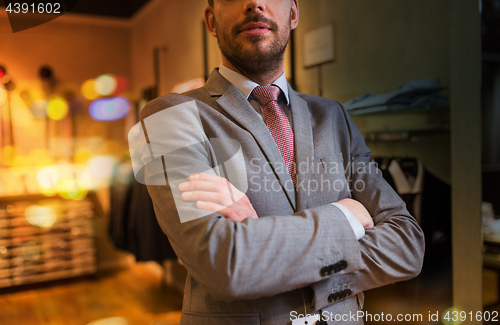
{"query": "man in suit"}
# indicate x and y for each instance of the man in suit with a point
(309, 223)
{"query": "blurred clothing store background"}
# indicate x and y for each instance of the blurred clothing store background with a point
(79, 241)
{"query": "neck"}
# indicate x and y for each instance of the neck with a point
(263, 78)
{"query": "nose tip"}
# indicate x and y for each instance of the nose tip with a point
(254, 6)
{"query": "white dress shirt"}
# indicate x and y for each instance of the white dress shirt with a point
(246, 86)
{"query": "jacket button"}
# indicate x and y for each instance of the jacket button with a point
(349, 292)
(337, 267)
(343, 294)
(343, 264)
(332, 297)
(325, 271)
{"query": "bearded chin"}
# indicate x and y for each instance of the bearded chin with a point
(258, 60)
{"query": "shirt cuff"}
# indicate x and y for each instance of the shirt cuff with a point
(357, 227)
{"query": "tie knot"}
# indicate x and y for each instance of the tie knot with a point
(266, 94)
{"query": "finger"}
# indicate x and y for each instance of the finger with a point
(232, 190)
(198, 185)
(207, 177)
(213, 197)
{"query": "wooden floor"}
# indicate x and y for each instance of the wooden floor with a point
(135, 296)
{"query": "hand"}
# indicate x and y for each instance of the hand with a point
(217, 194)
(359, 211)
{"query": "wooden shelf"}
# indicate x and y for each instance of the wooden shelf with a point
(30, 253)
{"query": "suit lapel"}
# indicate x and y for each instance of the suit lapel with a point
(304, 151)
(238, 107)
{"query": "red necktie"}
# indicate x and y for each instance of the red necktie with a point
(278, 124)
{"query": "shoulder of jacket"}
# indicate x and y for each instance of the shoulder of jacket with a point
(166, 101)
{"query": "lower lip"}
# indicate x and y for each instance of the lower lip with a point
(255, 32)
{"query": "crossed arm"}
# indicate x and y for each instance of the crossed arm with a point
(221, 252)
(215, 193)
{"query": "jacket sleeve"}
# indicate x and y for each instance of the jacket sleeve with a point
(237, 260)
(393, 250)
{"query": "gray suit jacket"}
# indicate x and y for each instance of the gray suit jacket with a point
(301, 252)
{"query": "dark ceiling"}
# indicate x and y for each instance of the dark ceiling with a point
(110, 8)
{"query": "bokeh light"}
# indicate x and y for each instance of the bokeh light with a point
(47, 179)
(40, 216)
(40, 157)
(453, 316)
(21, 117)
(109, 109)
(105, 84)
(18, 161)
(26, 97)
(31, 251)
(72, 189)
(7, 154)
(88, 90)
(39, 108)
(121, 85)
(82, 156)
(102, 166)
(3, 96)
(57, 108)
(125, 173)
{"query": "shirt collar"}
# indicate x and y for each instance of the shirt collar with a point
(246, 86)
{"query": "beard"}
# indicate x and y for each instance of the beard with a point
(256, 60)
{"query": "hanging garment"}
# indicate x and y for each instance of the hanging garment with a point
(133, 226)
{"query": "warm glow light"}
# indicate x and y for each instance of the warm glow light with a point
(102, 166)
(40, 157)
(105, 84)
(3, 96)
(82, 156)
(18, 161)
(114, 148)
(31, 251)
(40, 216)
(72, 189)
(109, 109)
(88, 90)
(125, 173)
(57, 108)
(121, 85)
(21, 117)
(47, 178)
(110, 321)
(39, 108)
(7, 154)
